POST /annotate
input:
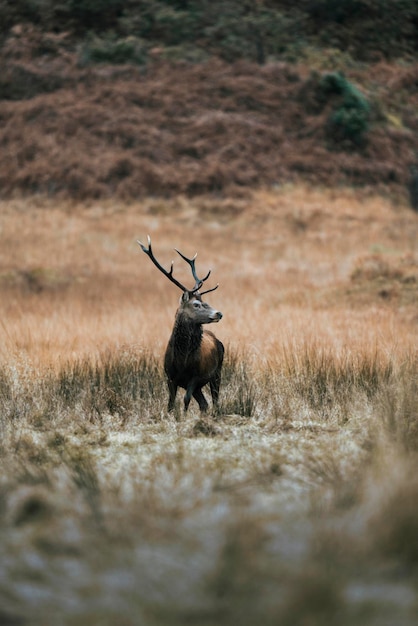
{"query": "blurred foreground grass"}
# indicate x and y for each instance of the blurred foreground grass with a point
(296, 504)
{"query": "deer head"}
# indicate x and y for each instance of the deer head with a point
(191, 304)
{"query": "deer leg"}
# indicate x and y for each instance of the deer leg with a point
(172, 389)
(196, 392)
(214, 385)
(188, 396)
(201, 400)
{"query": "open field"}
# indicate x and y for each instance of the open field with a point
(298, 502)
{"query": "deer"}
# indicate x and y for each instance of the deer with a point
(193, 357)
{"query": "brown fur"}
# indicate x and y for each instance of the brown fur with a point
(208, 353)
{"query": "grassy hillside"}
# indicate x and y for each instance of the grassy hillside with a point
(212, 127)
(99, 100)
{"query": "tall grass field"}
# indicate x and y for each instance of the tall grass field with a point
(296, 503)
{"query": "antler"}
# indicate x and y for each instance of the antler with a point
(198, 281)
(169, 274)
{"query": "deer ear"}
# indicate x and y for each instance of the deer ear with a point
(185, 297)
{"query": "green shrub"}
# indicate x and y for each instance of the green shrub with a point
(349, 120)
(175, 27)
(236, 32)
(113, 50)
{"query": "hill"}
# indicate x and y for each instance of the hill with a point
(92, 113)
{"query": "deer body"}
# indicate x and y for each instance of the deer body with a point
(193, 356)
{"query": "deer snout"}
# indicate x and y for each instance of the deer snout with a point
(216, 316)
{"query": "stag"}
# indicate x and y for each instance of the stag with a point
(194, 356)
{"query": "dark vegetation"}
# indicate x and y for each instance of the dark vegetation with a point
(250, 29)
(108, 98)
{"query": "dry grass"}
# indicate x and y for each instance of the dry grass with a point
(297, 503)
(74, 280)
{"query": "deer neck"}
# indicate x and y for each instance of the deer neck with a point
(186, 337)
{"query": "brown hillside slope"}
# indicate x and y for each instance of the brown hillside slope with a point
(123, 131)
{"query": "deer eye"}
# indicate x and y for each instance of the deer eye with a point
(196, 304)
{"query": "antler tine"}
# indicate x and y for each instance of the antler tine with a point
(202, 293)
(148, 251)
(192, 262)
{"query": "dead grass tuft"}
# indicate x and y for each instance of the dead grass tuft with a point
(398, 406)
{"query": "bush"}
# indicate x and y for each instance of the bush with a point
(349, 120)
(113, 50)
(175, 27)
(235, 31)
